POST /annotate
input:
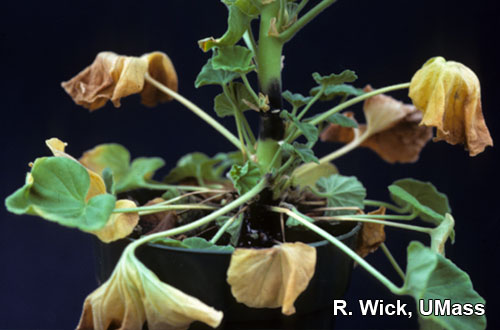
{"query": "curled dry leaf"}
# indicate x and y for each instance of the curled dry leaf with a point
(112, 77)
(134, 295)
(159, 221)
(97, 186)
(371, 235)
(399, 141)
(449, 95)
(119, 225)
(272, 277)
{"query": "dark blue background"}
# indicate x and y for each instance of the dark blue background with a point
(47, 270)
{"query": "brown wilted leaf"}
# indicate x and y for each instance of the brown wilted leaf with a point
(119, 225)
(159, 221)
(134, 295)
(160, 67)
(273, 277)
(371, 235)
(449, 95)
(399, 142)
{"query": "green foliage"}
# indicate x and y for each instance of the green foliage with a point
(431, 276)
(309, 130)
(341, 191)
(197, 243)
(56, 190)
(109, 181)
(303, 151)
(234, 59)
(245, 177)
(332, 91)
(234, 229)
(309, 178)
(422, 197)
(202, 168)
(297, 100)
(224, 106)
(241, 13)
(210, 76)
(346, 76)
(341, 120)
(139, 173)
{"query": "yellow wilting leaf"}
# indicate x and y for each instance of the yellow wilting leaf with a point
(119, 225)
(371, 235)
(449, 95)
(97, 185)
(399, 140)
(112, 77)
(134, 295)
(272, 277)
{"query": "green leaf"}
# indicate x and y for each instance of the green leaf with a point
(292, 222)
(109, 181)
(194, 243)
(126, 175)
(245, 177)
(309, 130)
(332, 91)
(234, 59)
(309, 178)
(237, 23)
(423, 197)
(431, 277)
(209, 76)
(223, 106)
(346, 76)
(303, 151)
(341, 191)
(341, 120)
(234, 229)
(194, 165)
(251, 8)
(297, 100)
(226, 160)
(56, 190)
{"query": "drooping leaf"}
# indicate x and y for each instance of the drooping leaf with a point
(237, 23)
(245, 177)
(270, 278)
(296, 100)
(431, 277)
(341, 191)
(332, 91)
(303, 151)
(346, 76)
(119, 225)
(224, 107)
(117, 158)
(134, 295)
(234, 59)
(56, 190)
(422, 197)
(308, 178)
(234, 229)
(209, 76)
(440, 234)
(341, 120)
(310, 131)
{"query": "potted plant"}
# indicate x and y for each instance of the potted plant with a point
(271, 188)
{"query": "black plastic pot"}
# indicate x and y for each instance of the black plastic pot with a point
(202, 274)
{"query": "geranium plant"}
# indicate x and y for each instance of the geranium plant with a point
(248, 200)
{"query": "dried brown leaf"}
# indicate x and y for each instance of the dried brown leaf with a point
(371, 235)
(272, 277)
(160, 67)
